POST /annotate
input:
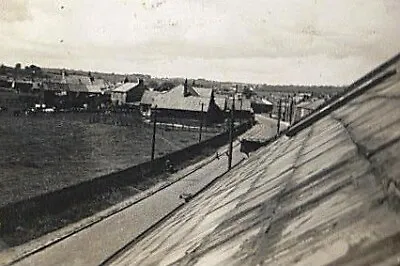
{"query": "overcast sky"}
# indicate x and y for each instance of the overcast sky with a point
(258, 41)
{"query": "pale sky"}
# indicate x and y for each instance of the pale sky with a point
(328, 42)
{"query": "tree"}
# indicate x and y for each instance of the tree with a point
(247, 92)
(18, 66)
(152, 83)
(165, 86)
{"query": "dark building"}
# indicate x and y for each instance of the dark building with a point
(147, 101)
(11, 99)
(74, 91)
(305, 108)
(187, 105)
(242, 106)
(261, 106)
(128, 93)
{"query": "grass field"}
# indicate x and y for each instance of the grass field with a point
(49, 152)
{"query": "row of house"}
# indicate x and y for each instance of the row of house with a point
(18, 95)
(183, 104)
(187, 104)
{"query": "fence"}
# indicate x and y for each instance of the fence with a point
(24, 211)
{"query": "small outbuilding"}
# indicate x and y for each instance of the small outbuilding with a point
(129, 92)
(262, 106)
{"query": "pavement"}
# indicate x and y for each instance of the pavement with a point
(328, 195)
(95, 242)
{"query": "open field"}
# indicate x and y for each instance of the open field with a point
(49, 152)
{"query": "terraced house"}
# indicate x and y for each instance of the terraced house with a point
(75, 91)
(186, 104)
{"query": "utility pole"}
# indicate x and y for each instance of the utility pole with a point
(285, 108)
(201, 121)
(241, 105)
(291, 111)
(231, 128)
(279, 117)
(153, 144)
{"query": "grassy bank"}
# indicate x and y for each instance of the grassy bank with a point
(46, 153)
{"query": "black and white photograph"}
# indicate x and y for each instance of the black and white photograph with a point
(199, 132)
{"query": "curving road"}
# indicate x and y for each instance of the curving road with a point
(95, 244)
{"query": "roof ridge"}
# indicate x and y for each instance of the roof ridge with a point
(357, 88)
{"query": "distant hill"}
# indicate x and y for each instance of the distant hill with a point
(165, 83)
(318, 89)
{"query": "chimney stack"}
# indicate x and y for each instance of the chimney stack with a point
(185, 88)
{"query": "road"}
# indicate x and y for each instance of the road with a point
(94, 244)
(265, 129)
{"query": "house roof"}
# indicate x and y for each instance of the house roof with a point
(95, 88)
(77, 79)
(125, 87)
(266, 102)
(77, 87)
(221, 102)
(241, 104)
(76, 84)
(55, 86)
(311, 105)
(148, 97)
(175, 100)
(225, 104)
(203, 92)
(315, 198)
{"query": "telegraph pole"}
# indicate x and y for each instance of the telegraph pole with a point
(279, 117)
(291, 111)
(286, 118)
(201, 121)
(153, 144)
(231, 128)
(241, 105)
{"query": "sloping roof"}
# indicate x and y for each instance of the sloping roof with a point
(55, 86)
(77, 87)
(126, 87)
(225, 104)
(202, 92)
(241, 104)
(77, 79)
(326, 196)
(221, 102)
(265, 101)
(95, 88)
(174, 100)
(311, 105)
(148, 97)
(76, 84)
